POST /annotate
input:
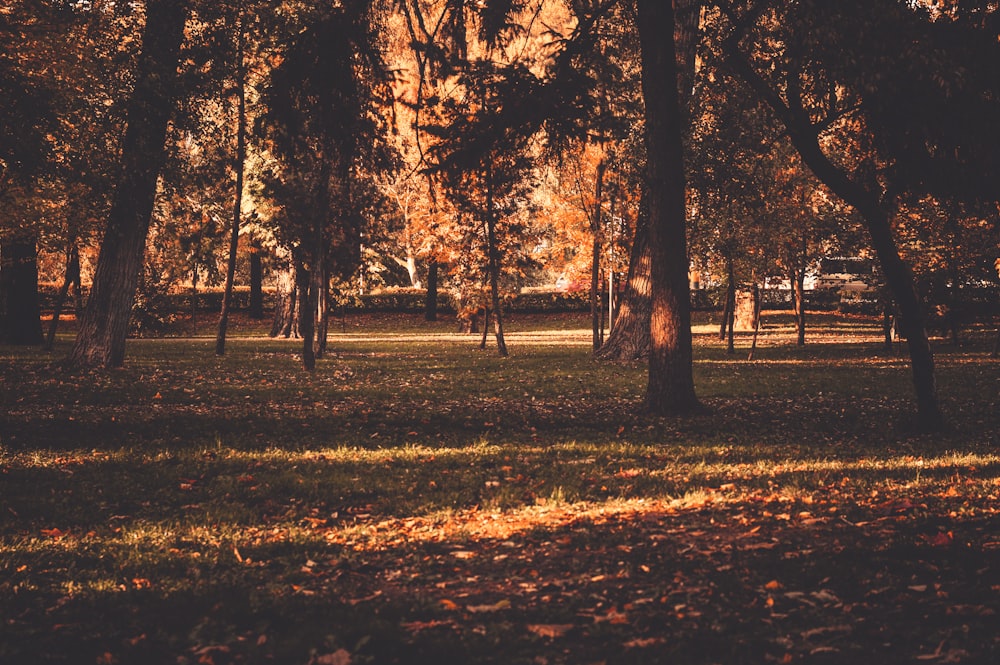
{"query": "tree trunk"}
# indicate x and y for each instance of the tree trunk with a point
(494, 265)
(285, 299)
(320, 283)
(629, 338)
(241, 157)
(798, 284)
(671, 380)
(729, 314)
(104, 325)
(756, 320)
(431, 297)
(194, 301)
(865, 200)
(595, 257)
(306, 313)
(20, 313)
(486, 329)
(72, 277)
(256, 281)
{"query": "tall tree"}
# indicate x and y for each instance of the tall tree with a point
(104, 325)
(239, 165)
(629, 338)
(670, 388)
(861, 89)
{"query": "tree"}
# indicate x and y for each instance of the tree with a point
(630, 336)
(852, 86)
(323, 133)
(671, 381)
(104, 325)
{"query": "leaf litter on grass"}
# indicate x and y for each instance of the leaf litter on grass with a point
(245, 525)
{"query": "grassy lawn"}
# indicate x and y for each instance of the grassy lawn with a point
(417, 500)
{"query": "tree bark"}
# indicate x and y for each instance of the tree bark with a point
(798, 284)
(20, 313)
(306, 313)
(285, 299)
(431, 297)
(104, 325)
(629, 337)
(756, 321)
(670, 388)
(256, 281)
(595, 258)
(494, 265)
(241, 157)
(804, 136)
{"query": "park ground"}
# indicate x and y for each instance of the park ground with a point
(418, 500)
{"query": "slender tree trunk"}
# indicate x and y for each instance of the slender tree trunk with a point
(104, 325)
(193, 305)
(887, 325)
(798, 283)
(996, 345)
(241, 157)
(256, 281)
(595, 257)
(306, 313)
(729, 316)
(72, 277)
(756, 321)
(671, 379)
(486, 328)
(431, 297)
(20, 312)
(494, 265)
(320, 283)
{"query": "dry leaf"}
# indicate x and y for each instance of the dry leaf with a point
(550, 630)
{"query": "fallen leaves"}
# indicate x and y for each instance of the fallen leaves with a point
(550, 630)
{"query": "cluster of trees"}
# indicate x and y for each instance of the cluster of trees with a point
(474, 144)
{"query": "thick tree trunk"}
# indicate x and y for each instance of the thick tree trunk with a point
(629, 338)
(241, 157)
(104, 325)
(671, 381)
(20, 313)
(72, 277)
(431, 297)
(256, 281)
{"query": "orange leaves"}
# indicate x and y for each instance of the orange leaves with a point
(549, 630)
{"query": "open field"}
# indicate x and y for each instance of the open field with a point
(417, 500)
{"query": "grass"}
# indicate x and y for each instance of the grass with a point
(418, 500)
